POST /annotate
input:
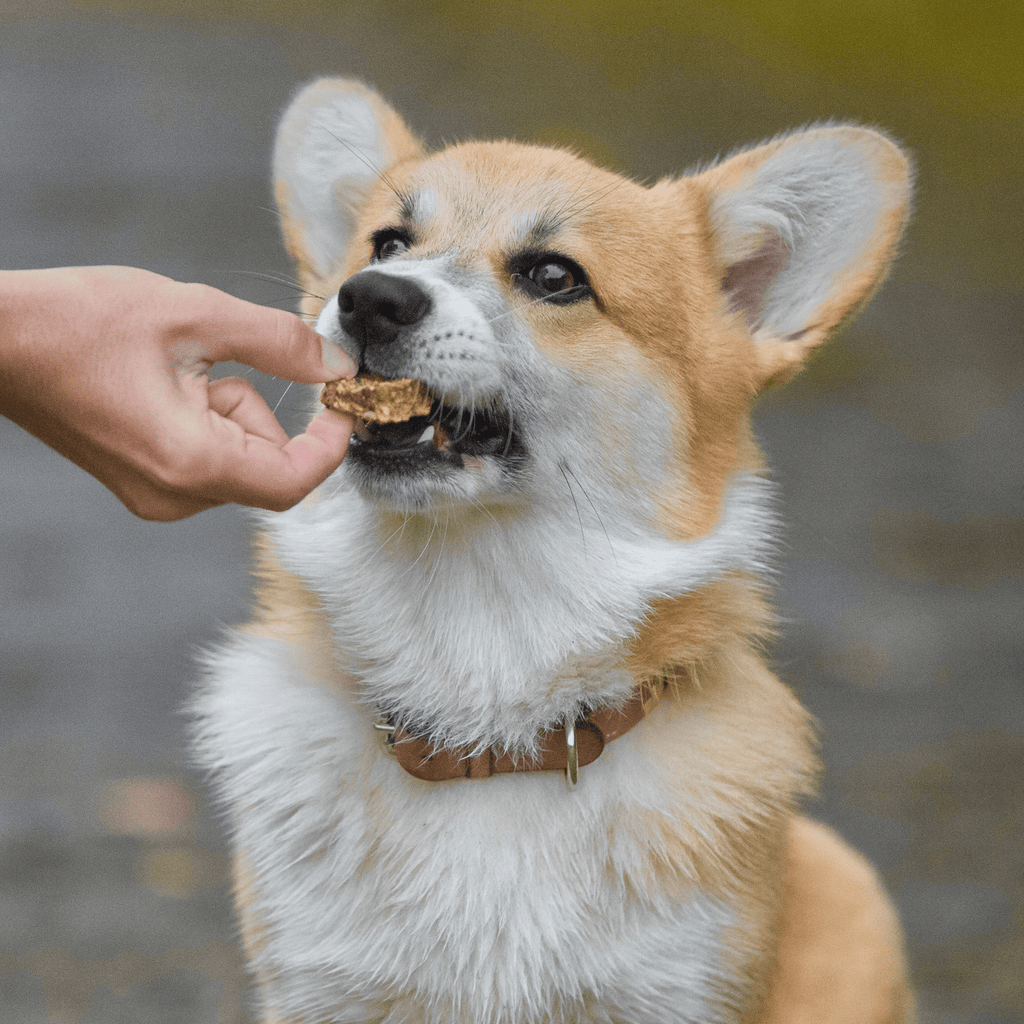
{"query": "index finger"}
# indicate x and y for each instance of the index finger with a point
(263, 474)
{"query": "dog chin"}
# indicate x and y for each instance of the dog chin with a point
(408, 482)
(418, 488)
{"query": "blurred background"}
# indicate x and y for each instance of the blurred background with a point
(139, 133)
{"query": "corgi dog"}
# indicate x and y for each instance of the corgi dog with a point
(500, 744)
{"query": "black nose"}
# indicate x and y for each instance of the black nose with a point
(376, 306)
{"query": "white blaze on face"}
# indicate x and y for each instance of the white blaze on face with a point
(523, 225)
(424, 206)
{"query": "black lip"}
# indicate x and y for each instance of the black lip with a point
(473, 432)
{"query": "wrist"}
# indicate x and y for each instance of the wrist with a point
(34, 348)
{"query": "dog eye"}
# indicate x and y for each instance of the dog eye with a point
(389, 242)
(551, 277)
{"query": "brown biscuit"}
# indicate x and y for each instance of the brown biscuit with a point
(377, 399)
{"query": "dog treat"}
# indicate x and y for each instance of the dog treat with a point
(377, 399)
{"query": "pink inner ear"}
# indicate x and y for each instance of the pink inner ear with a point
(746, 283)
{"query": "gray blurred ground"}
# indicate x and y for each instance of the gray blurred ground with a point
(899, 459)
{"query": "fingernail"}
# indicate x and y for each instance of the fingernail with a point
(339, 361)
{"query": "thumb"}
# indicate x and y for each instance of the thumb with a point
(271, 340)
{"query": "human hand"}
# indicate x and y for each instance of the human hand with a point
(108, 365)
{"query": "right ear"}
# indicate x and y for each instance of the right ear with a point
(337, 137)
(803, 229)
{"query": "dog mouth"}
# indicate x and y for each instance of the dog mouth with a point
(449, 437)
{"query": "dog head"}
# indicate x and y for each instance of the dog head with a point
(573, 326)
(585, 493)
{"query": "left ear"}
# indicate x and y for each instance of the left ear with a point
(803, 231)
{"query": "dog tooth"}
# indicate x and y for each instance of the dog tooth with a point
(427, 435)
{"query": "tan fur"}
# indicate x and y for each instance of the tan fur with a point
(840, 954)
(244, 890)
(687, 629)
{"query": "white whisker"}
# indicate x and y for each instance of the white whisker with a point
(281, 279)
(426, 544)
(281, 399)
(583, 532)
(440, 553)
(611, 547)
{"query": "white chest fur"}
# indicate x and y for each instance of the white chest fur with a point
(388, 898)
(508, 899)
(488, 638)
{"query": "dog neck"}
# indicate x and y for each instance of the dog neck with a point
(568, 748)
(488, 639)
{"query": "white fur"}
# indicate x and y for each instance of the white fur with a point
(514, 630)
(424, 206)
(327, 175)
(820, 194)
(402, 900)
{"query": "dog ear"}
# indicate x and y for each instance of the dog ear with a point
(336, 138)
(804, 228)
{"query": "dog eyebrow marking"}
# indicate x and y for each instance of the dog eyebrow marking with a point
(535, 229)
(420, 207)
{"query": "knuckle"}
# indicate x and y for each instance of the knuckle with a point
(289, 335)
(230, 392)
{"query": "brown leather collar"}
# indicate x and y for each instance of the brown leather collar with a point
(418, 757)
